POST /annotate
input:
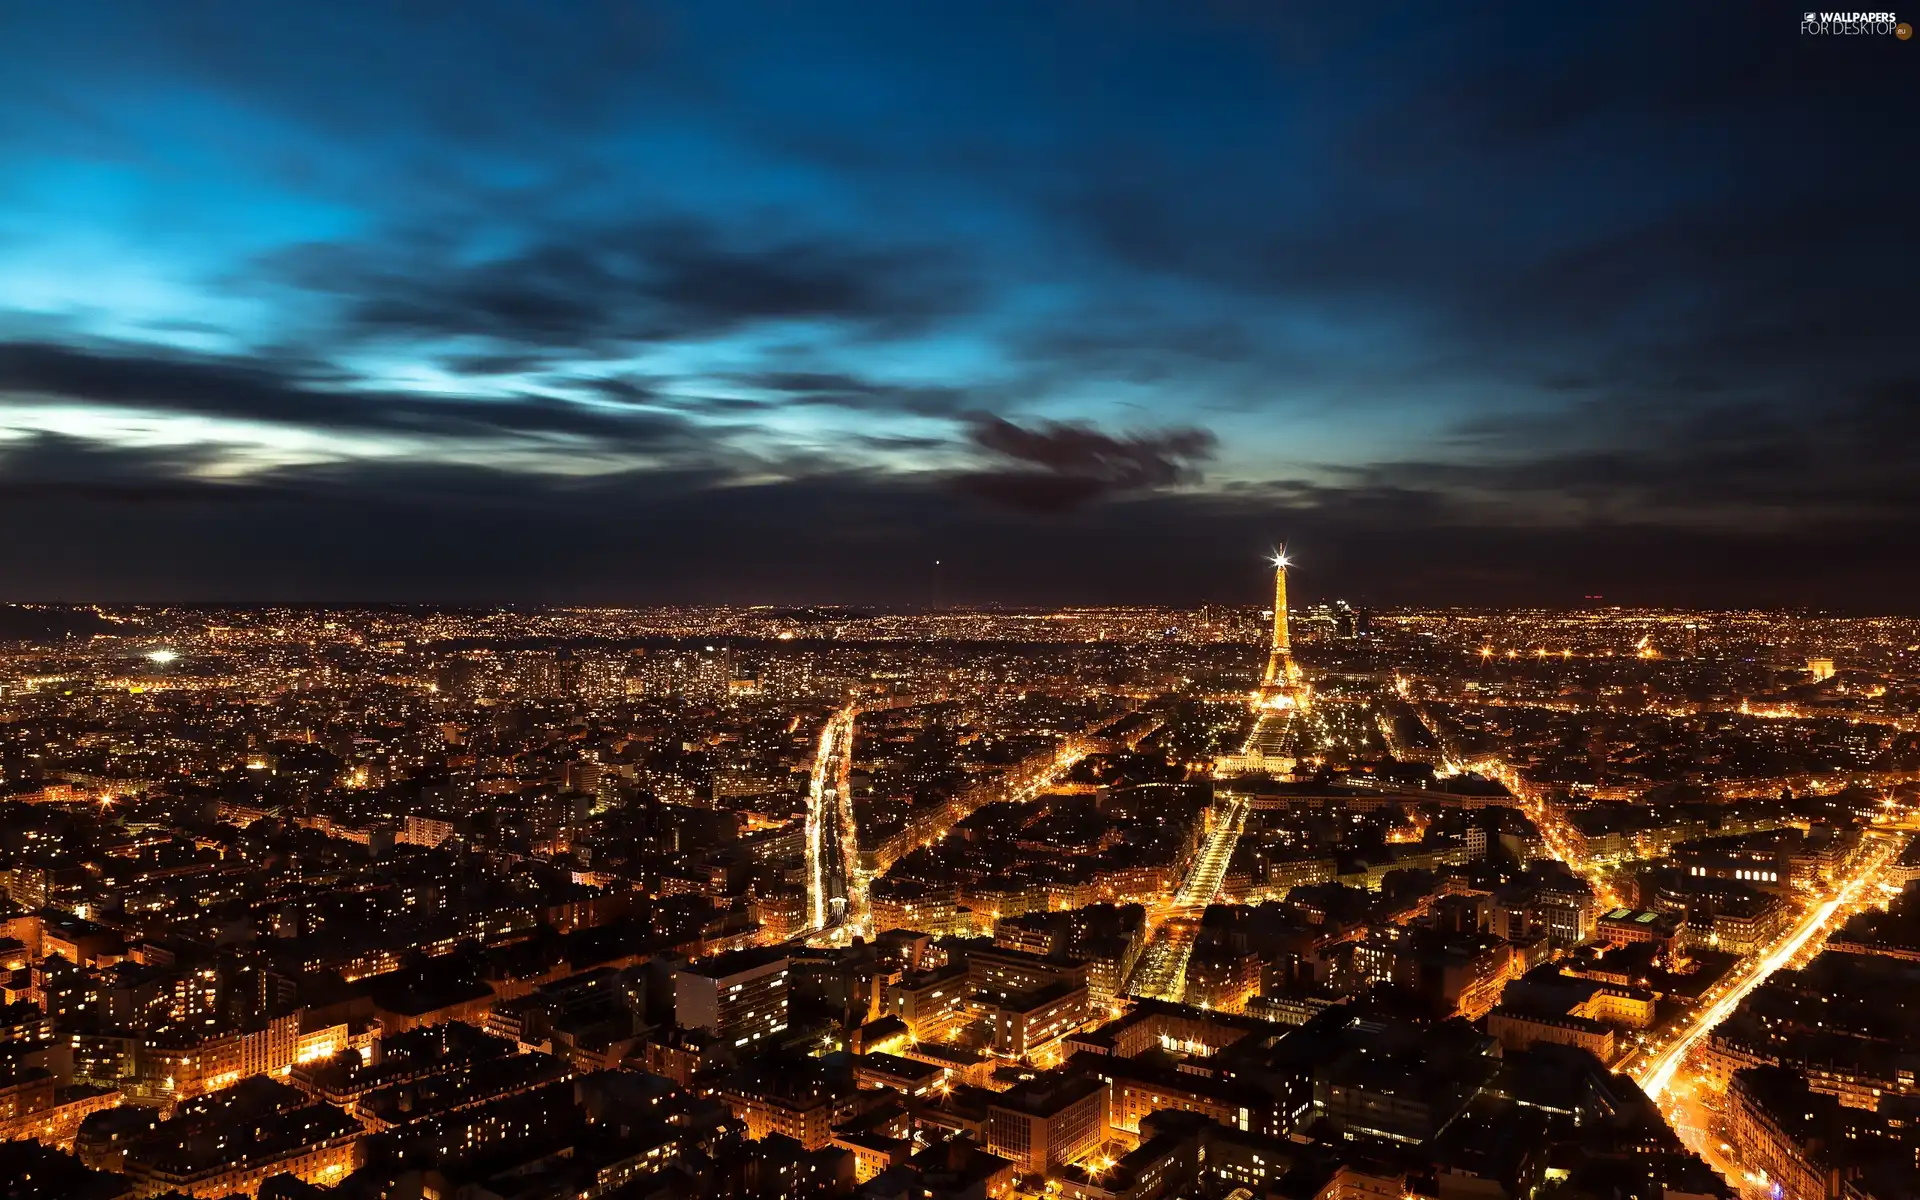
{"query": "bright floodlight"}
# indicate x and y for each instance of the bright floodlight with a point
(161, 656)
(1280, 559)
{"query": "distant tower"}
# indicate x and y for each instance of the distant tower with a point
(1281, 672)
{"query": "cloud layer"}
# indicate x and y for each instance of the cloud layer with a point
(703, 302)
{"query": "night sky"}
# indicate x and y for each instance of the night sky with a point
(1093, 302)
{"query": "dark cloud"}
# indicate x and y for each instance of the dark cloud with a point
(389, 531)
(474, 74)
(1587, 202)
(836, 389)
(901, 441)
(499, 363)
(1648, 282)
(1135, 346)
(53, 467)
(601, 289)
(312, 397)
(1666, 515)
(1705, 463)
(1053, 466)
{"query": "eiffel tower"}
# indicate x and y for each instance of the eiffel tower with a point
(1282, 686)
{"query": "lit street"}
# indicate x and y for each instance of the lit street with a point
(831, 845)
(1655, 1074)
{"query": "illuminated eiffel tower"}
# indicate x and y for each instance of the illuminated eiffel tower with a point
(1282, 686)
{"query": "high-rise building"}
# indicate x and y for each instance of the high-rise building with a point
(603, 676)
(458, 677)
(536, 674)
(741, 996)
(1343, 621)
(701, 675)
(1048, 1121)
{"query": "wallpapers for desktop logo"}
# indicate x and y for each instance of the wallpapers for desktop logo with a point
(1855, 24)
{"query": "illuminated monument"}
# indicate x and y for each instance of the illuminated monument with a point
(1282, 686)
(1280, 668)
(1272, 746)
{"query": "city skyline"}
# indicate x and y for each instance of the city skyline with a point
(653, 904)
(746, 304)
(990, 600)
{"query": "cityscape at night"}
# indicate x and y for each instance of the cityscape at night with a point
(313, 902)
(1046, 600)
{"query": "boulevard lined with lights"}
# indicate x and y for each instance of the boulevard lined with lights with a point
(1657, 1073)
(836, 748)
